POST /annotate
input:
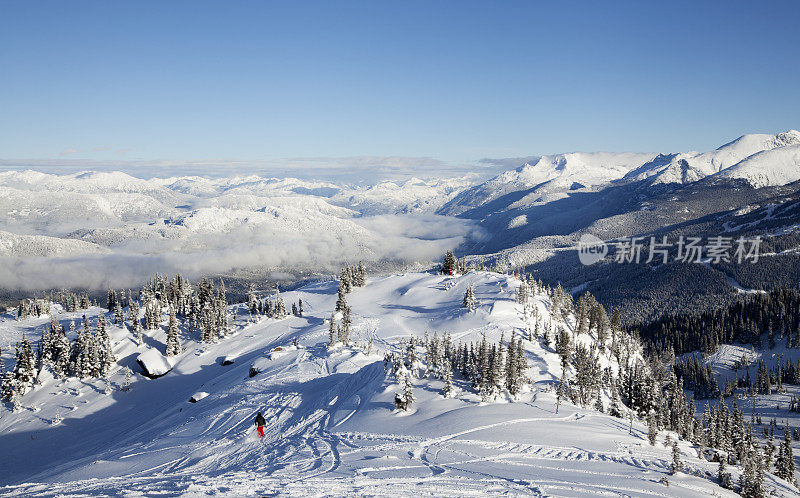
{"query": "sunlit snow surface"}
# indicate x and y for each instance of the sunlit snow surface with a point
(331, 426)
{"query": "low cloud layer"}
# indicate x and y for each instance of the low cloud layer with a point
(396, 238)
(509, 162)
(356, 169)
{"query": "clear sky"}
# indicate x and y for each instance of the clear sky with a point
(452, 80)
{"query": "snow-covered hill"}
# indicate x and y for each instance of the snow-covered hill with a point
(331, 425)
(17, 246)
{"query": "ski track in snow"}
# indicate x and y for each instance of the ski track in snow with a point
(331, 428)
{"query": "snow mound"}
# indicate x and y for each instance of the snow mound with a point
(280, 351)
(198, 396)
(153, 363)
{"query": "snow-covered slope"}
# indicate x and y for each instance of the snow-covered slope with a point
(331, 426)
(17, 246)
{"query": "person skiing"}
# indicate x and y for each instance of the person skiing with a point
(260, 423)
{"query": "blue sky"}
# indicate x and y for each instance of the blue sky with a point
(456, 81)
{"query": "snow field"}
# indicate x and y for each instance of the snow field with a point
(331, 425)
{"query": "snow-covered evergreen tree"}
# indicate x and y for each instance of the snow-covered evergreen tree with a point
(408, 392)
(676, 465)
(447, 376)
(652, 428)
(173, 340)
(332, 330)
(784, 464)
(469, 301)
(126, 385)
(449, 266)
(119, 317)
(723, 476)
(252, 301)
(105, 352)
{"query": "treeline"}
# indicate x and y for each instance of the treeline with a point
(758, 319)
(271, 307)
(89, 354)
(490, 369)
(70, 301)
(649, 384)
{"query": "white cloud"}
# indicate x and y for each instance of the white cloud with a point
(407, 238)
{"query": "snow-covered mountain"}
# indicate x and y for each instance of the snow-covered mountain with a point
(201, 225)
(549, 178)
(768, 168)
(760, 159)
(331, 422)
(692, 166)
(194, 225)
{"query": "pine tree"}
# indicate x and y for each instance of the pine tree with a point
(784, 464)
(111, 300)
(341, 301)
(252, 301)
(173, 341)
(408, 391)
(469, 301)
(723, 476)
(279, 311)
(652, 428)
(522, 364)
(344, 326)
(751, 482)
(561, 390)
(332, 332)
(24, 372)
(119, 318)
(496, 380)
(676, 465)
(447, 373)
(450, 264)
(126, 386)
(105, 353)
(511, 376)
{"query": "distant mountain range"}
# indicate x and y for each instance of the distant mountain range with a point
(525, 218)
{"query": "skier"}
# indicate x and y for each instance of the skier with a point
(260, 423)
